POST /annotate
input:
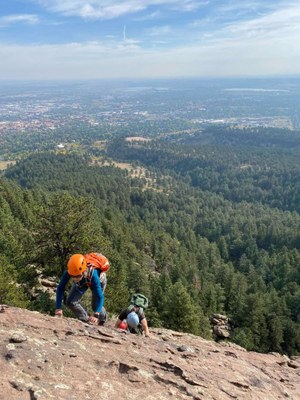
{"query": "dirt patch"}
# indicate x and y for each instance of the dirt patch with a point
(150, 181)
(121, 165)
(5, 164)
(100, 144)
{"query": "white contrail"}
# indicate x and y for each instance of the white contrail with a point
(124, 32)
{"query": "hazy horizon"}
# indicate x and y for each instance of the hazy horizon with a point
(150, 39)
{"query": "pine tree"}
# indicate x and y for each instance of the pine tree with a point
(11, 292)
(66, 225)
(183, 314)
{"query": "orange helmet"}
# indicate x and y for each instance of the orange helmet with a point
(76, 264)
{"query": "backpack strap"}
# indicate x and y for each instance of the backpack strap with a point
(134, 308)
(130, 308)
(90, 274)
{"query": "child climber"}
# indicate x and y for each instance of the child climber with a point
(134, 316)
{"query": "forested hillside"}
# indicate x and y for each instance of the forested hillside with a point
(254, 165)
(208, 228)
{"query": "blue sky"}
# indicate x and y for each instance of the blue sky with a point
(88, 39)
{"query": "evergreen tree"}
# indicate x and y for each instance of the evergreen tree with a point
(11, 292)
(66, 225)
(183, 314)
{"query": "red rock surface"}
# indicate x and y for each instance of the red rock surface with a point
(43, 357)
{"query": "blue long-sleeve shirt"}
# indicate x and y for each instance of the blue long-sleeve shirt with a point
(82, 285)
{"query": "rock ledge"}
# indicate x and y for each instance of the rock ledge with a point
(43, 357)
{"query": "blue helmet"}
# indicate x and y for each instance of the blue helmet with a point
(133, 320)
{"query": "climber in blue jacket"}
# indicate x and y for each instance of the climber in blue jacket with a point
(82, 280)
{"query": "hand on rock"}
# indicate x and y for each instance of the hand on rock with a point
(93, 320)
(59, 313)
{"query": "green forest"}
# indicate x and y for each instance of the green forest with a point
(210, 224)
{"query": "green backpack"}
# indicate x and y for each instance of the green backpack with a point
(139, 300)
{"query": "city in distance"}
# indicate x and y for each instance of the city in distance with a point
(141, 107)
(263, 102)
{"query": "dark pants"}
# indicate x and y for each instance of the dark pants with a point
(73, 303)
